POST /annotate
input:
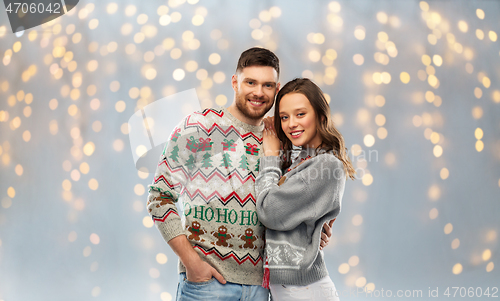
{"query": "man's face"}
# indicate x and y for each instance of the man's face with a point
(255, 88)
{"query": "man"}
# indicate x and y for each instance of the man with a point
(210, 163)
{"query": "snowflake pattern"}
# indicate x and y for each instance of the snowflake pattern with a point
(283, 255)
(273, 255)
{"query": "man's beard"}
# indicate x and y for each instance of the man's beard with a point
(242, 105)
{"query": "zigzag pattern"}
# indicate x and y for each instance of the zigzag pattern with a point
(216, 172)
(209, 198)
(164, 217)
(215, 126)
(209, 110)
(231, 254)
(216, 195)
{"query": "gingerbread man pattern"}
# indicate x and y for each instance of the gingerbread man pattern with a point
(164, 201)
(196, 231)
(248, 238)
(222, 236)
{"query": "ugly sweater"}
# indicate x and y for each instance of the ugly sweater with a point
(294, 214)
(210, 165)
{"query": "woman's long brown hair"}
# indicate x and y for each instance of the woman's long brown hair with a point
(331, 138)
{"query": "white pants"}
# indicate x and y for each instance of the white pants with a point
(321, 290)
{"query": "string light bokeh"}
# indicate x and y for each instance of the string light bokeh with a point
(413, 86)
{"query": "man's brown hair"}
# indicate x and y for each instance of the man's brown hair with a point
(257, 56)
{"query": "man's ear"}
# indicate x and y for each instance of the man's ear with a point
(234, 82)
(278, 87)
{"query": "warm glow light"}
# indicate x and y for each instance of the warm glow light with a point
(478, 133)
(359, 32)
(382, 17)
(444, 173)
(344, 268)
(434, 192)
(486, 255)
(462, 25)
(314, 55)
(437, 59)
(477, 112)
(479, 145)
(369, 140)
(94, 238)
(493, 36)
(161, 258)
(353, 260)
(367, 179)
(358, 59)
(11, 192)
(405, 77)
(490, 266)
(479, 34)
(448, 228)
(147, 222)
(357, 220)
(433, 214)
(437, 151)
(480, 13)
(214, 58)
(93, 184)
(457, 269)
(424, 6)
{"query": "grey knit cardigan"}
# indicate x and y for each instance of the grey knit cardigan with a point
(294, 213)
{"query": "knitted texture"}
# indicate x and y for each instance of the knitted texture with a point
(294, 214)
(210, 165)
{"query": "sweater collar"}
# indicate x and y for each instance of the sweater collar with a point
(309, 152)
(256, 129)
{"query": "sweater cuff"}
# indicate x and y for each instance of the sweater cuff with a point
(269, 161)
(170, 228)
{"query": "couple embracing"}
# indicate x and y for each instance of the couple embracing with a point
(254, 219)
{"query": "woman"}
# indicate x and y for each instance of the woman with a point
(294, 207)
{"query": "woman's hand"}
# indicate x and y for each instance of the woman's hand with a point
(271, 143)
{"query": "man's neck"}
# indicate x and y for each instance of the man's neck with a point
(241, 117)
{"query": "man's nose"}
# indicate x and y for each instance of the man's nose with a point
(259, 92)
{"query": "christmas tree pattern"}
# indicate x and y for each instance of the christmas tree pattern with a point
(164, 149)
(257, 166)
(190, 163)
(207, 161)
(243, 162)
(226, 161)
(175, 154)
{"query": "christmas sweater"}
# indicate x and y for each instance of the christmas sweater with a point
(209, 167)
(294, 210)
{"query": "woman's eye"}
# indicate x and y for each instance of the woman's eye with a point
(301, 114)
(283, 117)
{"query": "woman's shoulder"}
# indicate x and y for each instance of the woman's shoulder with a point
(324, 161)
(326, 157)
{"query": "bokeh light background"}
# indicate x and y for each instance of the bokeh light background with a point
(413, 87)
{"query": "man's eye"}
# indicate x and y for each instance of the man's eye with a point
(269, 86)
(250, 83)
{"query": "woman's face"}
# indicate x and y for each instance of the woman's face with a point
(298, 120)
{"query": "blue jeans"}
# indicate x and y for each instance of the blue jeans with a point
(214, 290)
